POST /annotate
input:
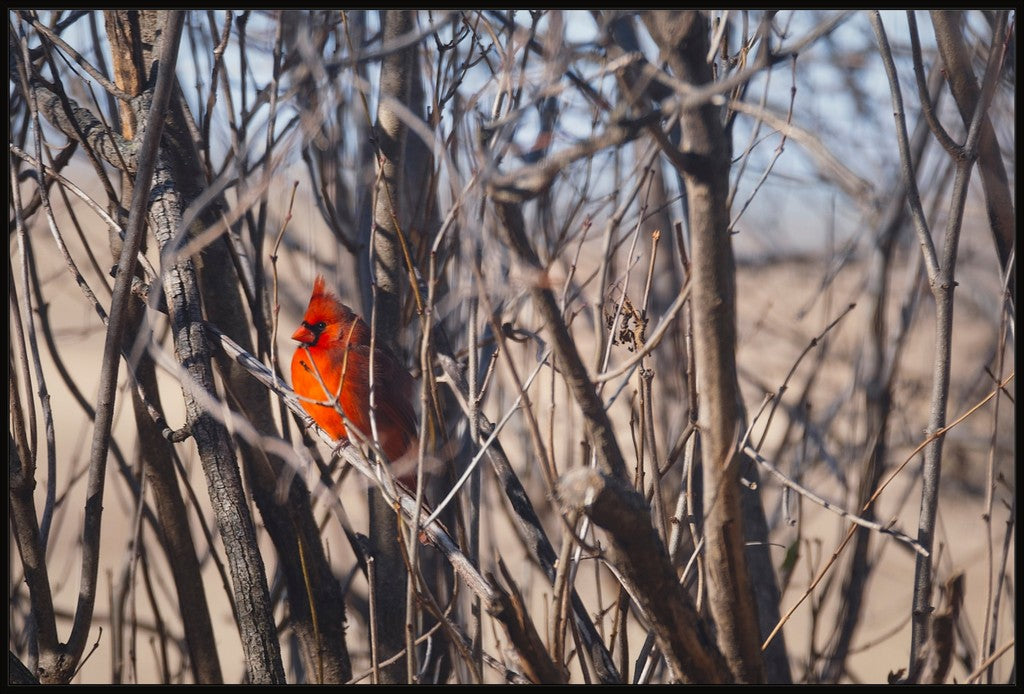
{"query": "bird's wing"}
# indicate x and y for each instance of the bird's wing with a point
(393, 386)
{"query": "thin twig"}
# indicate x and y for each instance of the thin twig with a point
(147, 266)
(273, 267)
(57, 41)
(980, 670)
(937, 434)
(486, 443)
(800, 489)
(850, 531)
(952, 148)
(924, 237)
(792, 370)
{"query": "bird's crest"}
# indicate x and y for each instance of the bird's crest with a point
(320, 288)
(325, 304)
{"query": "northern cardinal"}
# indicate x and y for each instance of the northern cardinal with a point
(338, 343)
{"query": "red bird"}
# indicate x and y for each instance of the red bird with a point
(338, 344)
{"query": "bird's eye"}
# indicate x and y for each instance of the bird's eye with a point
(319, 327)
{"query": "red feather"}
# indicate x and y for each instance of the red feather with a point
(338, 344)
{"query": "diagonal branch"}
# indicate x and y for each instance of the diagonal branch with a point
(529, 525)
(599, 428)
(400, 501)
(857, 520)
(647, 572)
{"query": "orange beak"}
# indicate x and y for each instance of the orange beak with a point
(304, 335)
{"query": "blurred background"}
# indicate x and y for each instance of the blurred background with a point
(287, 113)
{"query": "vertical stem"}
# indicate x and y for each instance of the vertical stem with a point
(942, 290)
(942, 285)
(475, 482)
(386, 273)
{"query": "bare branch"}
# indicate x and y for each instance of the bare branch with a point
(863, 522)
(56, 40)
(924, 236)
(642, 562)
